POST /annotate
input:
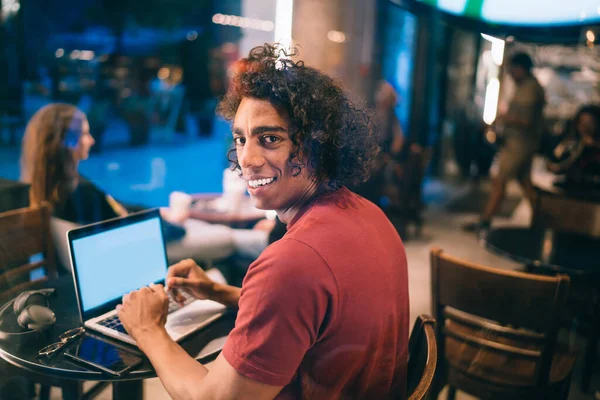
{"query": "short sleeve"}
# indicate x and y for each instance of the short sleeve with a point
(286, 298)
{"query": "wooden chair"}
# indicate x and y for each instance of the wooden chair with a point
(562, 213)
(24, 233)
(566, 214)
(497, 331)
(422, 358)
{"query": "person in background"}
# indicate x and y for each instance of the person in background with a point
(390, 136)
(382, 187)
(523, 127)
(578, 155)
(56, 140)
(323, 312)
(391, 141)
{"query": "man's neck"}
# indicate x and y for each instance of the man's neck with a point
(287, 215)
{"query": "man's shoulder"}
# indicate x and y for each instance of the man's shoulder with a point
(290, 249)
(292, 263)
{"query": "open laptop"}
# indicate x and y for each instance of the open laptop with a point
(115, 257)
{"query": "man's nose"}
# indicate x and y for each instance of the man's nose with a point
(250, 156)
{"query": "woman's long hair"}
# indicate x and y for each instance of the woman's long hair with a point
(48, 161)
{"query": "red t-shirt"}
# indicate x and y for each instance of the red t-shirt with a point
(324, 310)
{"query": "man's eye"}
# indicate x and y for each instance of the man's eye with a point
(239, 141)
(269, 139)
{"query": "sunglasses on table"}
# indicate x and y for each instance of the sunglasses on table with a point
(64, 339)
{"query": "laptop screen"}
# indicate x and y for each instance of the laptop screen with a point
(114, 262)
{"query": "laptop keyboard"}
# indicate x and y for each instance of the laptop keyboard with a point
(174, 306)
(113, 322)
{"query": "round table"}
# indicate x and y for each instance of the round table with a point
(23, 355)
(573, 254)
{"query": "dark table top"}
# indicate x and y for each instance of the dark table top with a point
(23, 354)
(574, 254)
(585, 193)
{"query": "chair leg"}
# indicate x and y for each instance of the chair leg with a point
(591, 349)
(451, 393)
(72, 390)
(45, 392)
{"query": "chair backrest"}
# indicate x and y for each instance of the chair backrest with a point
(422, 358)
(566, 214)
(24, 233)
(519, 308)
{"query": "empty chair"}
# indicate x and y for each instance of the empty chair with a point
(24, 233)
(422, 358)
(562, 213)
(497, 331)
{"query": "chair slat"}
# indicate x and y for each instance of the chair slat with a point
(21, 287)
(487, 325)
(489, 344)
(8, 276)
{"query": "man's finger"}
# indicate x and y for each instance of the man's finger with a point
(176, 282)
(156, 287)
(183, 265)
(159, 290)
(145, 289)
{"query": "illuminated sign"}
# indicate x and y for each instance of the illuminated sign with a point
(523, 12)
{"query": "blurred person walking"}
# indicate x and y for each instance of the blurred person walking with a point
(523, 124)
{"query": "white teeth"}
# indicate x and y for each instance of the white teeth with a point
(260, 182)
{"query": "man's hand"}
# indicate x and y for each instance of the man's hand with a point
(144, 311)
(187, 276)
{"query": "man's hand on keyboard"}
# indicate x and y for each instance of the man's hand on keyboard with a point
(144, 311)
(188, 277)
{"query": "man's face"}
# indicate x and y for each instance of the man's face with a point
(517, 72)
(262, 138)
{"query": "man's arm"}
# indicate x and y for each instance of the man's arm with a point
(185, 378)
(144, 314)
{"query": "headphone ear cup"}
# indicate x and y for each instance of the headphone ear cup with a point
(30, 298)
(36, 317)
(20, 302)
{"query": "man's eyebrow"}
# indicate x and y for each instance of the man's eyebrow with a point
(267, 128)
(260, 129)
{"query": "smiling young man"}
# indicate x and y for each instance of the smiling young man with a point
(323, 312)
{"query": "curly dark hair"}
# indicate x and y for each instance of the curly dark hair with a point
(334, 134)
